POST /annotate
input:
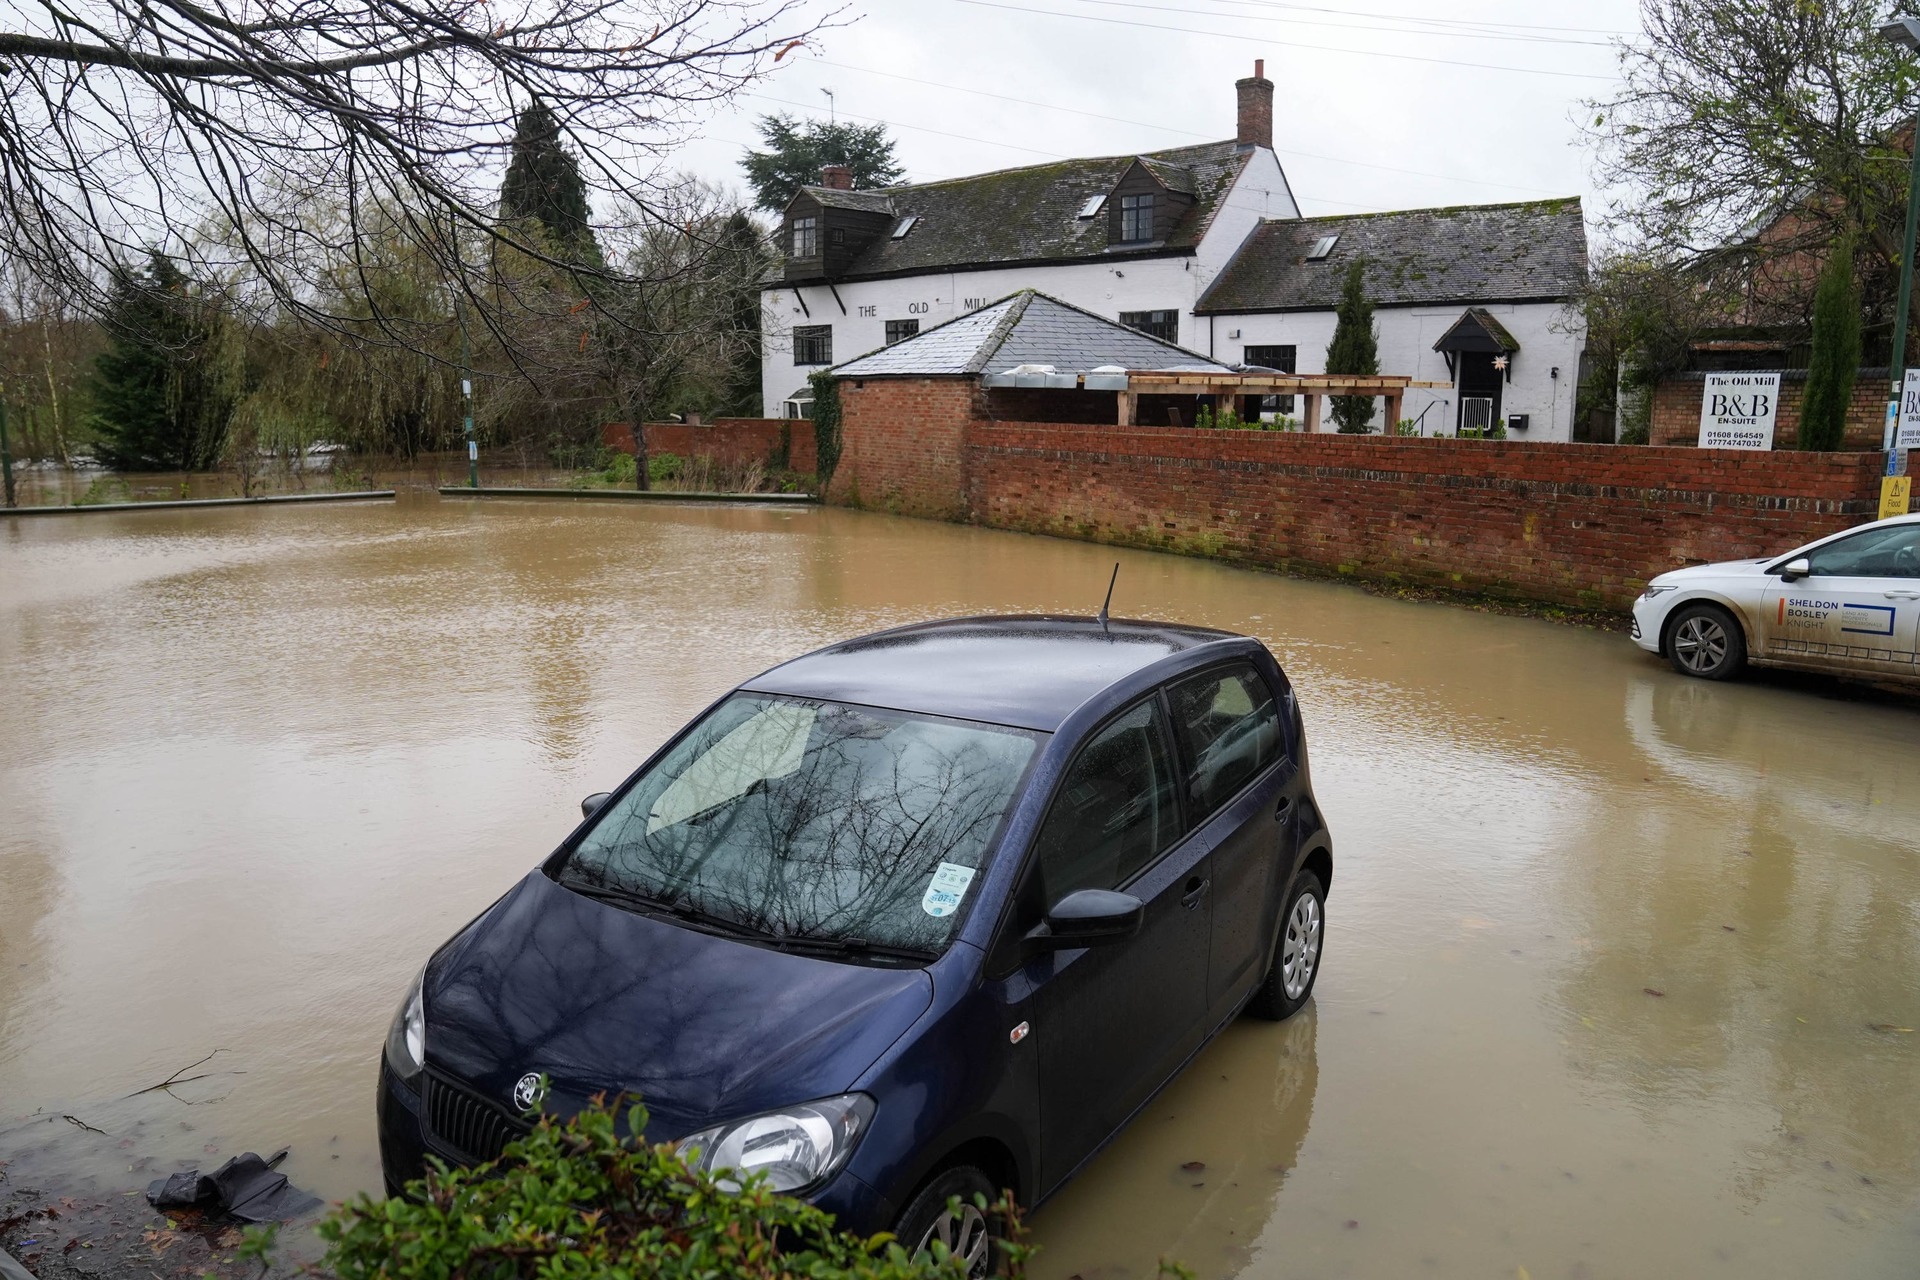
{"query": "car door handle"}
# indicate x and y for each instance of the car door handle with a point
(1196, 890)
(1903, 595)
(1283, 810)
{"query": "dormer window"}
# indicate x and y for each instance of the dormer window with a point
(1136, 217)
(806, 237)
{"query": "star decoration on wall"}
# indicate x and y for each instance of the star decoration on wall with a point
(1500, 362)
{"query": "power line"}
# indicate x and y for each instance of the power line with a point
(1409, 17)
(1439, 27)
(1293, 44)
(1052, 106)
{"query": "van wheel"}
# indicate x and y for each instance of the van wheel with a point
(1705, 641)
(1297, 953)
(965, 1228)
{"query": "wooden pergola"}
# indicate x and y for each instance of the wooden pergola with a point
(1392, 387)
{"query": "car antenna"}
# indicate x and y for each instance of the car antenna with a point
(1109, 600)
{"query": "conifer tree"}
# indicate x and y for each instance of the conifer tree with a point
(1835, 357)
(159, 397)
(796, 153)
(1354, 350)
(543, 184)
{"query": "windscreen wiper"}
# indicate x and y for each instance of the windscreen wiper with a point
(704, 921)
(814, 944)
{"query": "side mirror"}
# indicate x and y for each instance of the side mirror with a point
(591, 805)
(1088, 918)
(1794, 570)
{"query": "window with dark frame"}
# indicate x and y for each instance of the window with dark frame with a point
(1164, 325)
(813, 344)
(1136, 217)
(1272, 357)
(806, 237)
(901, 330)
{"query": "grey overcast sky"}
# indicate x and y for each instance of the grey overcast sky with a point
(1377, 105)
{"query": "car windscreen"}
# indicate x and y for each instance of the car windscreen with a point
(804, 819)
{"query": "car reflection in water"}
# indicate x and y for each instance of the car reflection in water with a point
(1240, 1112)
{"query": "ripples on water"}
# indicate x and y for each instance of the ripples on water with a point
(255, 765)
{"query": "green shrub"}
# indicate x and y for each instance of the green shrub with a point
(576, 1201)
(660, 466)
(1835, 357)
(826, 425)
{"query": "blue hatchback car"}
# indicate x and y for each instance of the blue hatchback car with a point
(923, 914)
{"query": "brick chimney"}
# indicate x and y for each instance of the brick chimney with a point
(840, 176)
(1256, 108)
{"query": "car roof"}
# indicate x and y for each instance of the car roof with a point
(1028, 671)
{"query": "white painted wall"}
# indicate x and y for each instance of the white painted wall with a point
(1104, 288)
(1551, 335)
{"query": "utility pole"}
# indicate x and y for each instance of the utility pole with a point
(6, 450)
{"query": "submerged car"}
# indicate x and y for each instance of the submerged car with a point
(1847, 604)
(927, 913)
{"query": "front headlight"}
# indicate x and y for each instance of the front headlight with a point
(1653, 591)
(407, 1039)
(793, 1148)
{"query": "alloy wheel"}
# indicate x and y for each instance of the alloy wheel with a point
(1700, 643)
(1300, 949)
(964, 1231)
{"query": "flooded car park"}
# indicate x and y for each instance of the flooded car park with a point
(1621, 972)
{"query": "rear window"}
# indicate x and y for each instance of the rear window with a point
(798, 818)
(1229, 730)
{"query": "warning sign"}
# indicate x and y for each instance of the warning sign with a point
(1737, 410)
(1896, 495)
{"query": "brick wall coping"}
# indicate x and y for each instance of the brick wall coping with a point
(1786, 375)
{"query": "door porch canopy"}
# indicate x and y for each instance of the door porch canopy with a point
(1392, 387)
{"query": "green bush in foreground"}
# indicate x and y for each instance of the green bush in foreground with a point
(575, 1200)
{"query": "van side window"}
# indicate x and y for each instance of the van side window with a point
(1116, 810)
(1229, 730)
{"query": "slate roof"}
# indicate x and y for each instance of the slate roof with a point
(1535, 250)
(1028, 327)
(1032, 214)
(1495, 332)
(841, 198)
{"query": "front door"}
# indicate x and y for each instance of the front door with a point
(1240, 793)
(1480, 387)
(1112, 1022)
(1859, 608)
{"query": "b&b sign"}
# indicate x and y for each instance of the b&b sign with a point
(1737, 410)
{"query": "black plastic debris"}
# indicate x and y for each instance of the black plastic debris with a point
(245, 1187)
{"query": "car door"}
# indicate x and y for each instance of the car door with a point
(1240, 789)
(1112, 1022)
(1857, 610)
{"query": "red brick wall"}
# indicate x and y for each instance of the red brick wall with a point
(725, 440)
(1676, 410)
(904, 444)
(1575, 524)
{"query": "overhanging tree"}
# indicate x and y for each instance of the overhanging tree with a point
(798, 150)
(123, 122)
(1749, 135)
(1355, 349)
(1835, 357)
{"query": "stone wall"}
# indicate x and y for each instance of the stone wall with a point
(729, 441)
(1676, 409)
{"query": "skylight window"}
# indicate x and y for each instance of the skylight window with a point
(1092, 206)
(906, 225)
(1322, 247)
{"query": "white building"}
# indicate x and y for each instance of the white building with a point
(1203, 246)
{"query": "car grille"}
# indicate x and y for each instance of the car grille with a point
(467, 1125)
(1636, 629)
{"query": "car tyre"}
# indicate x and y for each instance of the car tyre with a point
(966, 1229)
(1704, 640)
(1297, 952)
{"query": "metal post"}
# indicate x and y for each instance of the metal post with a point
(466, 393)
(6, 450)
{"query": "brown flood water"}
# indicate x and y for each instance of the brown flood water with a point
(255, 764)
